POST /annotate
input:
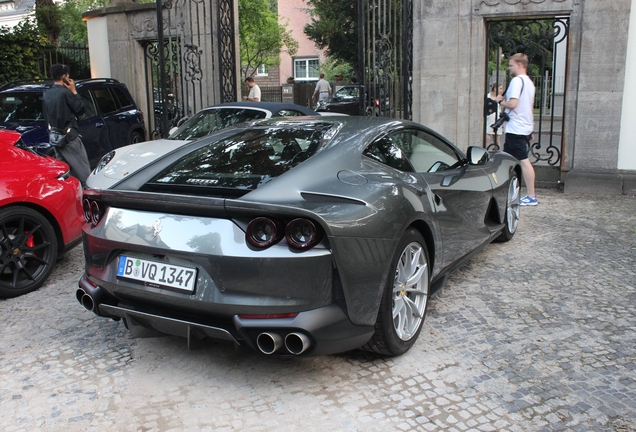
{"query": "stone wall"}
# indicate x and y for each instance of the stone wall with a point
(194, 24)
(449, 75)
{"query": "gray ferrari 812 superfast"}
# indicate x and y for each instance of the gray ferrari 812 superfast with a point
(294, 236)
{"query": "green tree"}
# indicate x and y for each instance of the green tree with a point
(331, 68)
(21, 48)
(49, 19)
(73, 29)
(261, 37)
(334, 27)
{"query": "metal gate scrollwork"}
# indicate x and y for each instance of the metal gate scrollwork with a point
(227, 55)
(180, 62)
(545, 43)
(386, 57)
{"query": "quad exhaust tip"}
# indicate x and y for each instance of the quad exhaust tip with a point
(297, 343)
(85, 299)
(269, 342)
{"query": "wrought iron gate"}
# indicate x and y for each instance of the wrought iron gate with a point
(545, 42)
(180, 63)
(385, 48)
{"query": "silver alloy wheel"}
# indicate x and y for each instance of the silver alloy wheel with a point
(512, 209)
(410, 291)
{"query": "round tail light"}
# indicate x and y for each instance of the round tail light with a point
(302, 234)
(263, 232)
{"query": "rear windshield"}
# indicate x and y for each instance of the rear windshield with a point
(210, 120)
(243, 162)
(21, 107)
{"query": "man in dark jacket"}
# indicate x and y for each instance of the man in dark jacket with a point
(62, 106)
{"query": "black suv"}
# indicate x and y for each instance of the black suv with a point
(111, 118)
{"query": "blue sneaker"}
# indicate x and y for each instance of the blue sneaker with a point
(528, 201)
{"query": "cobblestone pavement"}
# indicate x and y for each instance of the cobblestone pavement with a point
(538, 334)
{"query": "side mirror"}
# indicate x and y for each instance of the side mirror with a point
(477, 155)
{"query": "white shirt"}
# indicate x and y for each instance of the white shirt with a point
(522, 117)
(255, 92)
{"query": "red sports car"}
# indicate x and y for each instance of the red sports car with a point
(41, 215)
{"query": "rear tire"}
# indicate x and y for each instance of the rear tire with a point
(511, 218)
(405, 298)
(135, 138)
(28, 250)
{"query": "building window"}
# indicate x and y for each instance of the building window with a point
(306, 69)
(261, 70)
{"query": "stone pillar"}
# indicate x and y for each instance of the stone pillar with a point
(627, 141)
(601, 60)
(449, 82)
(98, 49)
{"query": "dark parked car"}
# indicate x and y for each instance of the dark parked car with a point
(347, 101)
(303, 235)
(111, 120)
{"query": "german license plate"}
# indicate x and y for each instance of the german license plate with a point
(156, 274)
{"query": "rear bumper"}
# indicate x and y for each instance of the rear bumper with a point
(326, 330)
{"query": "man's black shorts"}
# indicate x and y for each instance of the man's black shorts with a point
(516, 145)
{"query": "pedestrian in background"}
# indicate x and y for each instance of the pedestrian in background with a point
(518, 104)
(255, 91)
(62, 106)
(323, 89)
(495, 90)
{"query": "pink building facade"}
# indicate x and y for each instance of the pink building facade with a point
(305, 65)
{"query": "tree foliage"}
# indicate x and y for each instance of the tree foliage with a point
(49, 19)
(334, 27)
(331, 68)
(73, 29)
(261, 37)
(21, 48)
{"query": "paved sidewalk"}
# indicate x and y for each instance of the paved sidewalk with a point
(538, 334)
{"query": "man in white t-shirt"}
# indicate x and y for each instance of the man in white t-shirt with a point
(255, 90)
(323, 89)
(518, 104)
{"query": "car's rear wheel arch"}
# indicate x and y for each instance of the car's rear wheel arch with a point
(33, 247)
(425, 230)
(48, 216)
(404, 298)
(135, 134)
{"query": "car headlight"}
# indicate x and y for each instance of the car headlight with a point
(105, 160)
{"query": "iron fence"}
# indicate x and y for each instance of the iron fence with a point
(302, 93)
(268, 93)
(75, 56)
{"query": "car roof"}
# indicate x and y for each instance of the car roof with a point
(38, 86)
(44, 84)
(356, 128)
(270, 106)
